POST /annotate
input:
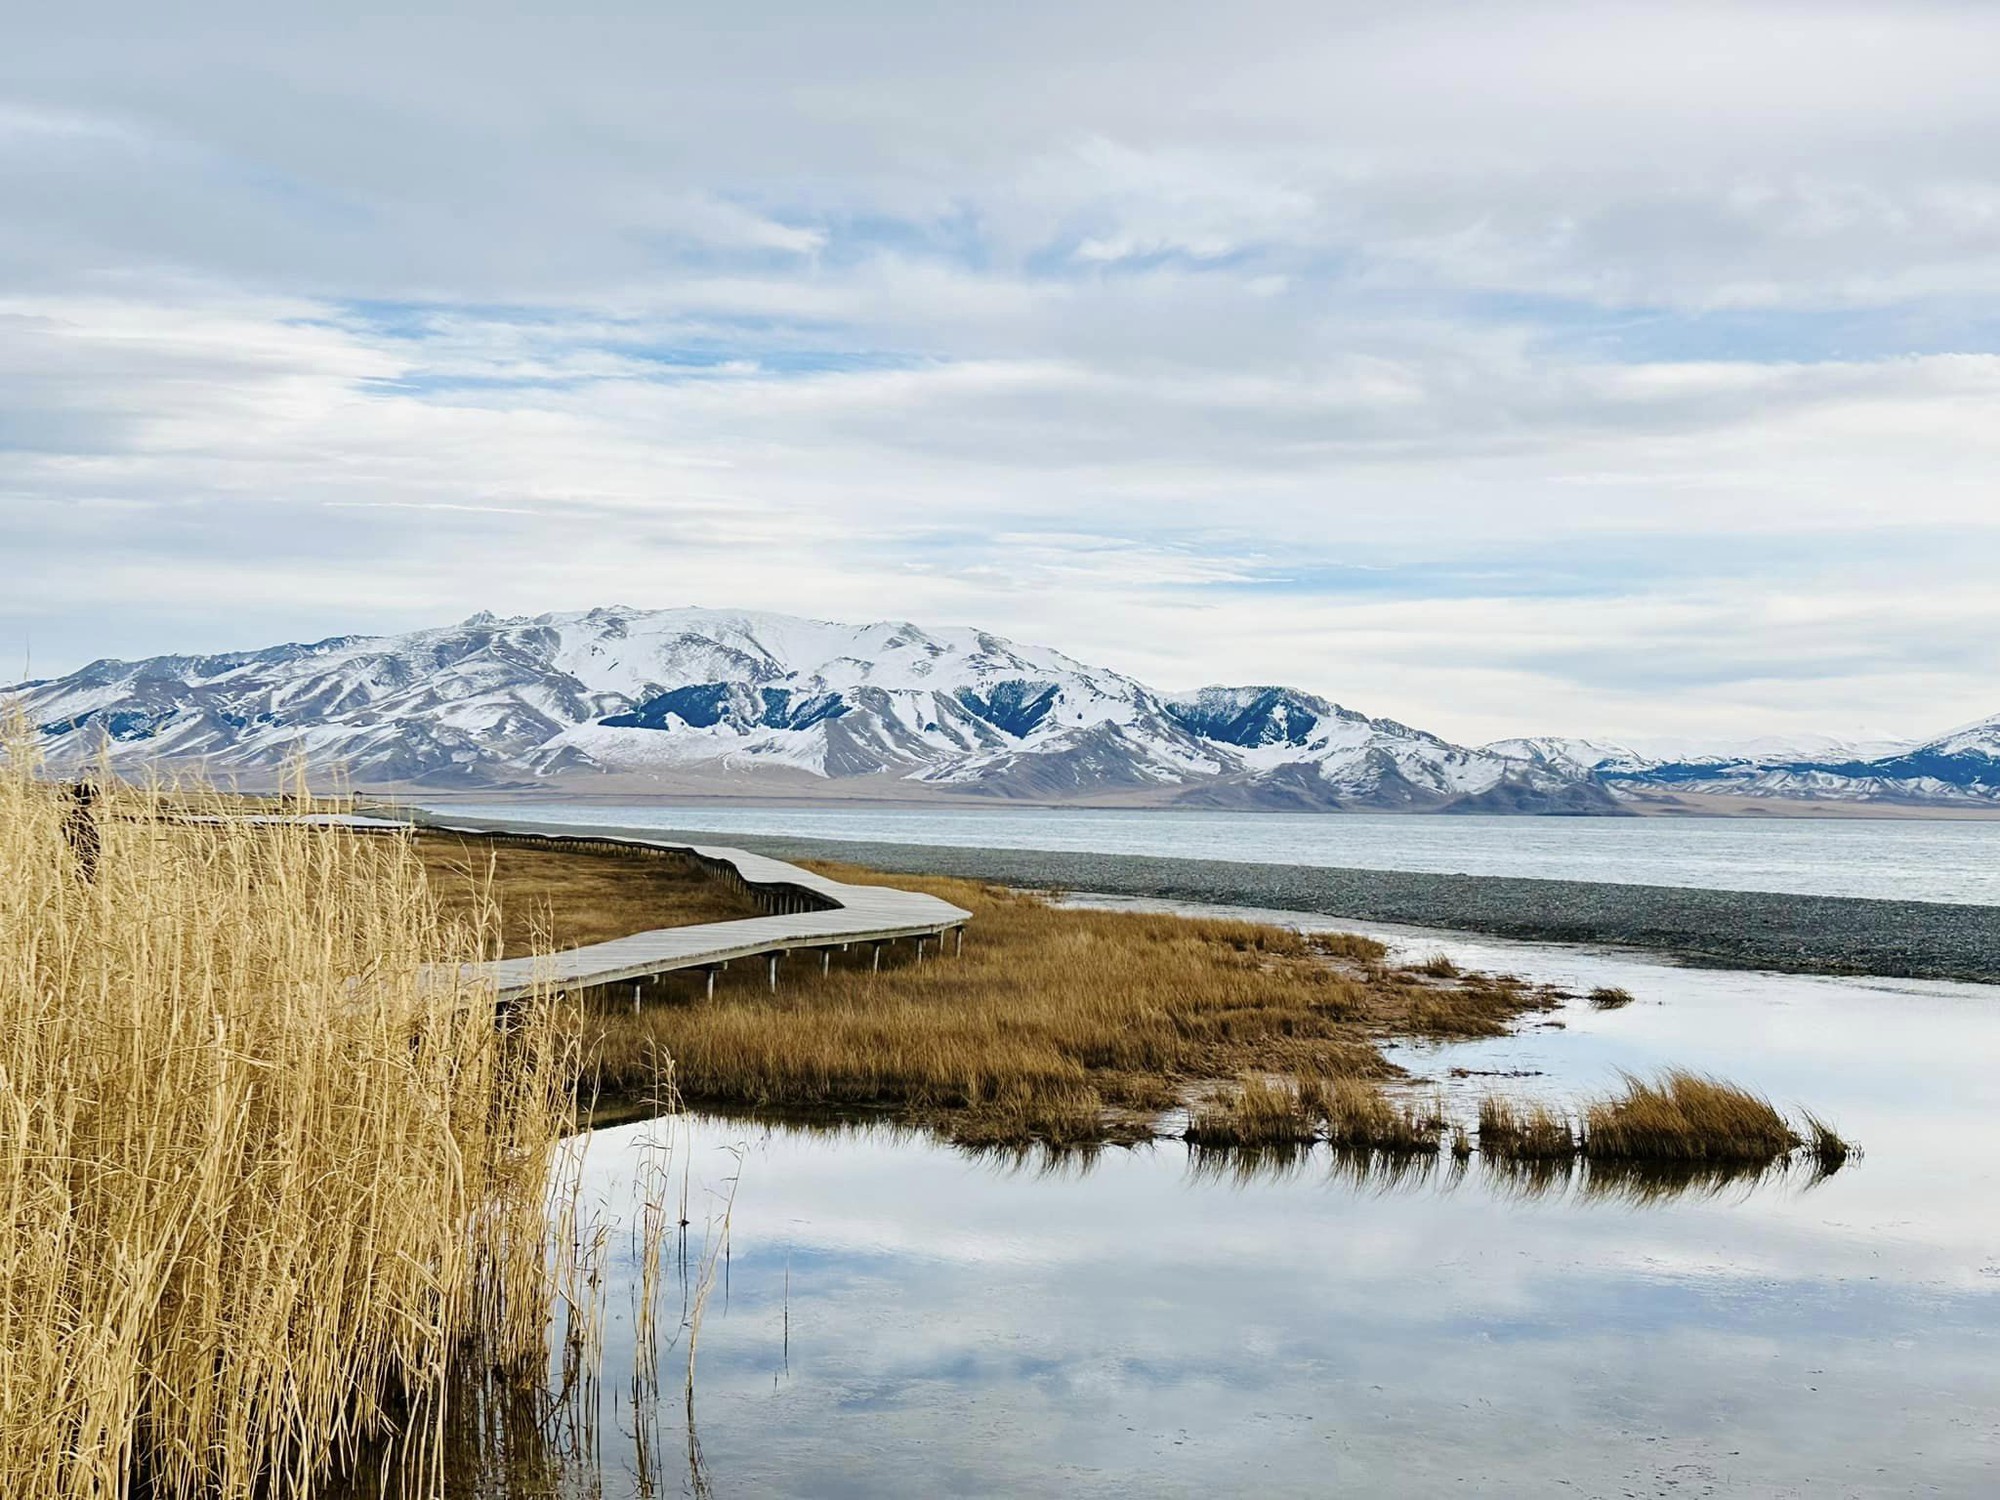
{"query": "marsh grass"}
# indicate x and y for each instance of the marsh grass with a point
(1523, 1132)
(1258, 1113)
(1058, 1024)
(1353, 1114)
(271, 1168)
(1683, 1117)
(1359, 1115)
(1826, 1145)
(1610, 997)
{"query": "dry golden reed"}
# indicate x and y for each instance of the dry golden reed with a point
(270, 1167)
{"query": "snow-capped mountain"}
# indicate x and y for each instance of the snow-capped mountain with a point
(1960, 767)
(693, 700)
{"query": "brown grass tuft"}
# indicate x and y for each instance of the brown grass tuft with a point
(1258, 1114)
(1828, 1148)
(1523, 1132)
(1685, 1117)
(1359, 1115)
(1610, 997)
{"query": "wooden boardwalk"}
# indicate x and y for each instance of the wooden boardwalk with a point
(805, 912)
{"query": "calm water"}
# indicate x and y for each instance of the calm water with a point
(1899, 859)
(897, 1318)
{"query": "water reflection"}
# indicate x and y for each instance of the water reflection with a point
(509, 1436)
(1365, 1171)
(895, 1316)
(1572, 1178)
(1646, 1185)
(487, 1438)
(490, 1438)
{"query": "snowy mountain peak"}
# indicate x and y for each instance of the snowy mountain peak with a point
(732, 700)
(1979, 738)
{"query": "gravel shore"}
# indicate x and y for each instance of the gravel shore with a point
(1723, 929)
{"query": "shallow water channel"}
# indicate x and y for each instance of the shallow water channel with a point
(896, 1317)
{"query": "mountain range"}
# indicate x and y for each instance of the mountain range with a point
(722, 702)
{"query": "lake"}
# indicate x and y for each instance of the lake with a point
(895, 1317)
(1895, 859)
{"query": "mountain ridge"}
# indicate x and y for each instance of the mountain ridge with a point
(737, 702)
(743, 699)
(1960, 768)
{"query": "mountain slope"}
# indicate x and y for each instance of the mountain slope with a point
(1961, 767)
(698, 700)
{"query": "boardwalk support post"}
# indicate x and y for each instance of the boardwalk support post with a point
(825, 961)
(774, 973)
(958, 950)
(710, 971)
(875, 964)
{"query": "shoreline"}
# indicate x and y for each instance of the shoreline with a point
(1835, 935)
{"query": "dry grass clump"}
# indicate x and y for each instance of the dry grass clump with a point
(1359, 1115)
(269, 1167)
(1523, 1132)
(1825, 1144)
(546, 898)
(1610, 997)
(1054, 1017)
(1056, 1118)
(1260, 1113)
(1685, 1117)
(1350, 1114)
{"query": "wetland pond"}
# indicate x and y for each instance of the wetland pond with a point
(896, 1317)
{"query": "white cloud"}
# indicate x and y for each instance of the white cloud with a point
(1502, 370)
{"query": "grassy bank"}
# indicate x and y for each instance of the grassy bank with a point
(269, 1171)
(1059, 1024)
(1069, 1026)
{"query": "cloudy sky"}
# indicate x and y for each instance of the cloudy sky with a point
(1505, 367)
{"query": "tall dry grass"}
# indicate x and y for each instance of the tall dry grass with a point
(270, 1169)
